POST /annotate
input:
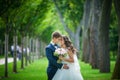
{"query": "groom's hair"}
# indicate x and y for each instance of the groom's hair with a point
(56, 35)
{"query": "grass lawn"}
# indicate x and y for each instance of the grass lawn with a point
(1, 56)
(94, 74)
(37, 71)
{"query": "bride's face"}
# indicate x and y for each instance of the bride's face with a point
(62, 42)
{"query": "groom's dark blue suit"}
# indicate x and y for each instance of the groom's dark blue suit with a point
(53, 65)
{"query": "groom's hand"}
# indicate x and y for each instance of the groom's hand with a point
(65, 66)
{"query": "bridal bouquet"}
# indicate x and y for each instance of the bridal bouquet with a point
(60, 52)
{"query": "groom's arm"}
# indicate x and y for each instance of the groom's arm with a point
(51, 59)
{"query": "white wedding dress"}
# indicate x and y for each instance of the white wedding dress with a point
(73, 73)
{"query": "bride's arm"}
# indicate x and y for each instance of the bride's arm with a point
(70, 59)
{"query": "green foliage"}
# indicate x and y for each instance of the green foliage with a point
(72, 10)
(2, 29)
(6, 5)
(46, 34)
(33, 17)
(113, 31)
(2, 24)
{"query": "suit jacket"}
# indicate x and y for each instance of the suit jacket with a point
(52, 61)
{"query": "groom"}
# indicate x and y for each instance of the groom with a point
(50, 49)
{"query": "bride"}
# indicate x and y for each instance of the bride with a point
(73, 73)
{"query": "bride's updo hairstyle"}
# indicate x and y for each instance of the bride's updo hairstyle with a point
(68, 44)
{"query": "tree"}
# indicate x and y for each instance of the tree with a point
(103, 35)
(6, 48)
(15, 52)
(85, 31)
(116, 72)
(96, 9)
(68, 10)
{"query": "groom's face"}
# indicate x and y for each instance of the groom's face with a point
(57, 40)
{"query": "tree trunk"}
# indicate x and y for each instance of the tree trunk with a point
(6, 55)
(1, 48)
(35, 54)
(42, 46)
(97, 5)
(1, 52)
(116, 72)
(22, 54)
(85, 30)
(103, 46)
(15, 53)
(30, 50)
(37, 48)
(26, 56)
(77, 39)
(6, 43)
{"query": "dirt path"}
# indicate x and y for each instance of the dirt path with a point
(2, 61)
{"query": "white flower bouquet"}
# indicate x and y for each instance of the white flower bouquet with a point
(60, 52)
